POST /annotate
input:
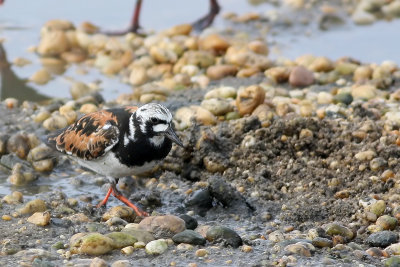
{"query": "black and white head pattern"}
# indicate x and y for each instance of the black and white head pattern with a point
(153, 119)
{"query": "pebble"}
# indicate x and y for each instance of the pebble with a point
(127, 250)
(40, 218)
(392, 262)
(378, 207)
(367, 155)
(98, 262)
(36, 205)
(92, 244)
(200, 201)
(278, 74)
(337, 229)
(247, 249)
(79, 90)
(190, 222)
(88, 108)
(11, 103)
(55, 122)
(156, 247)
(301, 77)
(321, 242)
(382, 239)
(218, 72)
(393, 249)
(276, 236)
(258, 47)
(387, 222)
(19, 144)
(364, 92)
(40, 77)
(139, 234)
(6, 217)
(362, 17)
(201, 252)
(216, 234)
(299, 248)
(163, 226)
(214, 42)
(53, 43)
(218, 107)
(122, 212)
(376, 252)
(121, 239)
(362, 73)
(249, 98)
(184, 247)
(377, 164)
(201, 115)
(189, 237)
(181, 29)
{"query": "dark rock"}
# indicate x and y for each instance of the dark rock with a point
(227, 236)
(200, 202)
(321, 242)
(64, 223)
(189, 237)
(382, 239)
(228, 196)
(191, 223)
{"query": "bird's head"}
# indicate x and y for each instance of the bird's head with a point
(155, 121)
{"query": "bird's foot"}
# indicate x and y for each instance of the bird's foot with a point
(137, 210)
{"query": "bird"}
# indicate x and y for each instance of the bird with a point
(118, 142)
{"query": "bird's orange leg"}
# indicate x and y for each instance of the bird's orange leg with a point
(137, 210)
(104, 201)
(114, 191)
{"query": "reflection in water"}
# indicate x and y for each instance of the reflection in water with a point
(13, 86)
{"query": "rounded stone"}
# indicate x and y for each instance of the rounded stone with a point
(190, 222)
(321, 242)
(53, 43)
(218, 107)
(94, 244)
(121, 239)
(337, 229)
(387, 222)
(163, 226)
(189, 237)
(218, 72)
(301, 77)
(40, 218)
(221, 92)
(156, 247)
(19, 145)
(122, 212)
(36, 205)
(249, 98)
(139, 234)
(216, 234)
(201, 252)
(382, 239)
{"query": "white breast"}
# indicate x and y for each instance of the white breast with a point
(109, 165)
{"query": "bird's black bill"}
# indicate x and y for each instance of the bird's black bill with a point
(172, 135)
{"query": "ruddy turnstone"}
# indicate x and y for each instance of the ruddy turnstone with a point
(119, 142)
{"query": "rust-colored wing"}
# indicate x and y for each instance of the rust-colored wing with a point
(88, 138)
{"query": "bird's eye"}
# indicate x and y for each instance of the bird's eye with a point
(154, 120)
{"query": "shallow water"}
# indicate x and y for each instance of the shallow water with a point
(21, 20)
